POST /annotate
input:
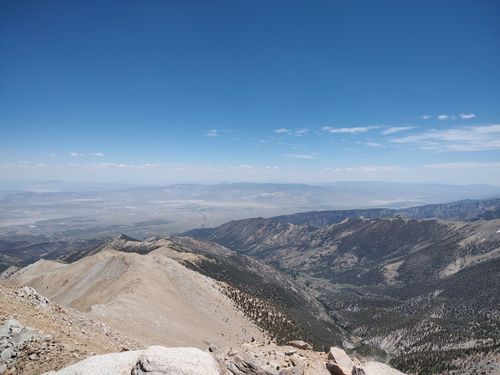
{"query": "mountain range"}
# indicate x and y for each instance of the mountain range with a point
(424, 291)
(416, 288)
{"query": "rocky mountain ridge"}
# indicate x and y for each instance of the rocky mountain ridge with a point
(134, 293)
(27, 350)
(407, 287)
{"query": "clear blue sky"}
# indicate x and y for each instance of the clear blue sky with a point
(170, 91)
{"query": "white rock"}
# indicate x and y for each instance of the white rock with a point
(377, 368)
(155, 360)
(341, 358)
(158, 360)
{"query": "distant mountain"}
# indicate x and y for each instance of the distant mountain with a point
(70, 212)
(466, 210)
(407, 286)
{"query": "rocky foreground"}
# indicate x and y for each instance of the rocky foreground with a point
(38, 336)
(249, 359)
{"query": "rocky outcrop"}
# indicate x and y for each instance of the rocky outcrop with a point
(27, 292)
(9, 272)
(155, 360)
(339, 363)
(15, 337)
(271, 359)
(248, 359)
(37, 335)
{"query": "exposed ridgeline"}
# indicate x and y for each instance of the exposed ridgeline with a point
(425, 292)
(178, 281)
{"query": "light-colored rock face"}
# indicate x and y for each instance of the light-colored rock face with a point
(155, 360)
(13, 338)
(377, 368)
(271, 359)
(341, 358)
(150, 296)
(249, 359)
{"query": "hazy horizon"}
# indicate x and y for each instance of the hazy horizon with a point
(70, 185)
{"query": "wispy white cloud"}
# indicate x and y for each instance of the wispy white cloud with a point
(426, 117)
(467, 138)
(366, 168)
(212, 133)
(109, 165)
(467, 116)
(81, 154)
(353, 130)
(463, 116)
(373, 144)
(293, 132)
(301, 156)
(396, 129)
(464, 165)
(300, 132)
(251, 166)
(370, 144)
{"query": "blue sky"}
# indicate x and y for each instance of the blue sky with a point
(173, 91)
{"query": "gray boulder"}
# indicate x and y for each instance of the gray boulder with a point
(343, 364)
(13, 338)
(377, 368)
(155, 360)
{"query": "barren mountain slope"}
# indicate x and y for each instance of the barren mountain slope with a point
(150, 296)
(37, 335)
(283, 308)
(409, 287)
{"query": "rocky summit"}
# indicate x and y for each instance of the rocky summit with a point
(249, 359)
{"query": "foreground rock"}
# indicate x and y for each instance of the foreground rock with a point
(37, 335)
(247, 359)
(155, 360)
(14, 337)
(271, 359)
